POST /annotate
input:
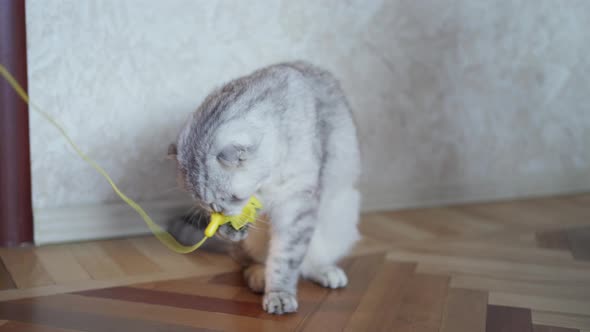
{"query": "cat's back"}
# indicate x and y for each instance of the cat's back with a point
(334, 125)
(299, 93)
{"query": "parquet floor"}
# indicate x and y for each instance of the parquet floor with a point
(521, 266)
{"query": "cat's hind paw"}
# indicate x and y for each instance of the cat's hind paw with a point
(329, 277)
(254, 276)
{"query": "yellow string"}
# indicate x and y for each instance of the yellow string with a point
(164, 237)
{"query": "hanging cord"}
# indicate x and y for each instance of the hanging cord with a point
(166, 238)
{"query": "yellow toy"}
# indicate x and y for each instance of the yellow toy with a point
(248, 213)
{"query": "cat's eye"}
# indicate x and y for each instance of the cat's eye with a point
(236, 199)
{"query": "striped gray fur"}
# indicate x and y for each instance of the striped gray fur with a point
(284, 133)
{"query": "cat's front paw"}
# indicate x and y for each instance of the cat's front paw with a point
(227, 232)
(279, 303)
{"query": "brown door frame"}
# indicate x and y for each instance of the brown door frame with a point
(16, 212)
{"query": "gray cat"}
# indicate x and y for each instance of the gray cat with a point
(286, 134)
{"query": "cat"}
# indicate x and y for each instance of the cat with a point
(286, 134)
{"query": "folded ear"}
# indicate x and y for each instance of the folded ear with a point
(234, 155)
(172, 151)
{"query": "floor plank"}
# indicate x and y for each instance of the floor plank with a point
(77, 320)
(492, 267)
(381, 299)
(25, 267)
(165, 258)
(579, 239)
(14, 294)
(170, 317)
(386, 228)
(544, 328)
(194, 286)
(129, 259)
(506, 252)
(509, 213)
(27, 327)
(507, 319)
(96, 262)
(6, 281)
(560, 319)
(179, 300)
(61, 264)
(333, 312)
(564, 289)
(430, 221)
(367, 246)
(422, 304)
(541, 303)
(465, 311)
(556, 239)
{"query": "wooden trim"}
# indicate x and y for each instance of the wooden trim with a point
(16, 214)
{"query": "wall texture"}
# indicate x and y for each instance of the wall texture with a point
(456, 100)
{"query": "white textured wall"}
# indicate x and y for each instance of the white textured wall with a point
(456, 100)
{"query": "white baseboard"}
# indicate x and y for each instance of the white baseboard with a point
(91, 222)
(432, 195)
(116, 220)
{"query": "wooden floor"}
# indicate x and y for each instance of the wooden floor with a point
(516, 266)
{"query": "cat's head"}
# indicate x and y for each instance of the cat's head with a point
(220, 166)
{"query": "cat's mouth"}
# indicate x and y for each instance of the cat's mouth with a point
(215, 207)
(218, 208)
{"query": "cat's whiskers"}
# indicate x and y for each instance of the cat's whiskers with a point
(190, 212)
(254, 227)
(262, 220)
